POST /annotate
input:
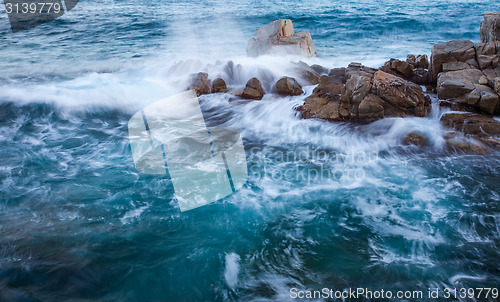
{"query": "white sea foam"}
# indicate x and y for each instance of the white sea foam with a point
(232, 269)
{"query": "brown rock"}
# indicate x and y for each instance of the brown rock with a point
(358, 86)
(422, 61)
(327, 101)
(398, 68)
(420, 76)
(452, 51)
(278, 37)
(339, 73)
(370, 109)
(479, 126)
(488, 54)
(253, 90)
(410, 59)
(307, 75)
(416, 139)
(219, 85)
(200, 83)
(490, 27)
(454, 66)
(483, 80)
(466, 145)
(287, 86)
(403, 95)
(463, 86)
(488, 99)
(496, 85)
(458, 83)
(319, 69)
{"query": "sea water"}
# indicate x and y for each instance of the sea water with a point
(78, 222)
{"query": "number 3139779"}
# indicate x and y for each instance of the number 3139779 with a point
(33, 8)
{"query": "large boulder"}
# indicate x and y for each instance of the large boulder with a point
(490, 27)
(401, 97)
(253, 90)
(277, 38)
(464, 87)
(367, 96)
(200, 83)
(287, 86)
(452, 51)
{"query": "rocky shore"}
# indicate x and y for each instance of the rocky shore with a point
(464, 76)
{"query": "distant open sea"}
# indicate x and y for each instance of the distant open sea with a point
(78, 222)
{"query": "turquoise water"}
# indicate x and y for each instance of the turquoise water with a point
(79, 223)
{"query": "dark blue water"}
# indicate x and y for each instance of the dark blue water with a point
(79, 223)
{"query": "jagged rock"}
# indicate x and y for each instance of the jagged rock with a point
(488, 54)
(278, 37)
(253, 90)
(287, 86)
(398, 68)
(338, 73)
(490, 27)
(488, 100)
(307, 75)
(200, 83)
(479, 126)
(366, 97)
(328, 101)
(358, 85)
(491, 74)
(496, 85)
(411, 59)
(466, 145)
(319, 69)
(454, 84)
(422, 62)
(403, 96)
(463, 86)
(420, 76)
(219, 85)
(454, 66)
(452, 51)
(416, 139)
(370, 109)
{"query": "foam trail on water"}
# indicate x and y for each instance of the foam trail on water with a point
(232, 269)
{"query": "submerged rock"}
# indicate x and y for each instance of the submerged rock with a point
(307, 74)
(415, 139)
(479, 126)
(278, 37)
(200, 83)
(253, 90)
(466, 145)
(287, 86)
